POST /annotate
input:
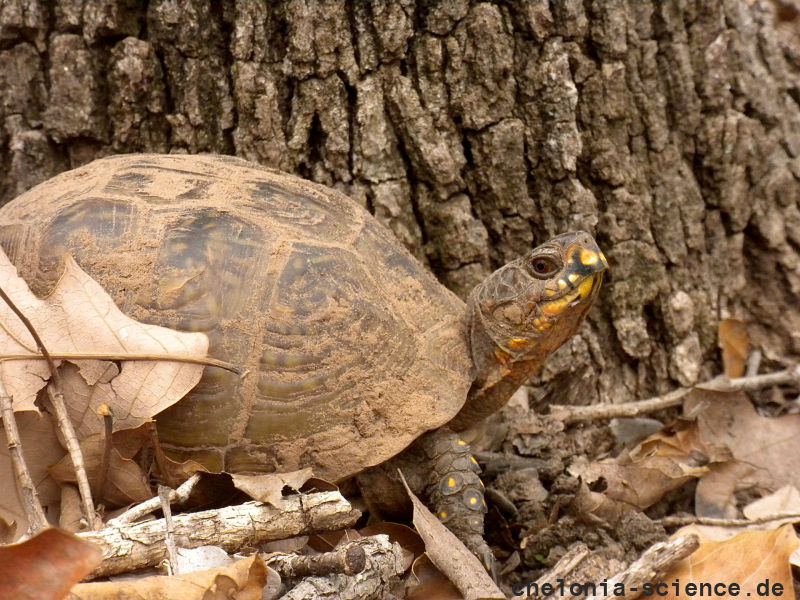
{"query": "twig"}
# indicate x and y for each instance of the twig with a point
(62, 417)
(656, 561)
(384, 564)
(140, 545)
(574, 414)
(108, 428)
(350, 559)
(74, 450)
(181, 494)
(30, 498)
(208, 362)
(169, 530)
(681, 520)
(560, 571)
(753, 363)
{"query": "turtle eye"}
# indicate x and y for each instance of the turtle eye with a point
(543, 267)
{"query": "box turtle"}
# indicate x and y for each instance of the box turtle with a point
(352, 349)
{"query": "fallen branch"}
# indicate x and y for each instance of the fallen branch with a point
(656, 561)
(384, 564)
(349, 559)
(129, 547)
(180, 494)
(575, 414)
(680, 521)
(27, 490)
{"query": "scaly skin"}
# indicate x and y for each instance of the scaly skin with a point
(519, 318)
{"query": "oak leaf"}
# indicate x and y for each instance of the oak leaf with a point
(80, 318)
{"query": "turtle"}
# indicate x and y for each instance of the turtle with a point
(354, 353)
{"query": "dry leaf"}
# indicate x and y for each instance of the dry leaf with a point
(663, 462)
(79, 317)
(243, 580)
(42, 450)
(432, 584)
(735, 345)
(267, 487)
(752, 453)
(784, 501)
(450, 556)
(748, 560)
(46, 566)
(125, 481)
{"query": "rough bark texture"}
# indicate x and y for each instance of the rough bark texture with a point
(669, 129)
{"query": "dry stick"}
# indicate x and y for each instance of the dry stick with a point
(62, 417)
(108, 429)
(384, 564)
(208, 362)
(169, 530)
(181, 494)
(232, 528)
(574, 414)
(347, 560)
(680, 521)
(655, 561)
(30, 498)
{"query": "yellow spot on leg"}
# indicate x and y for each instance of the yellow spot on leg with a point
(451, 483)
(461, 443)
(442, 515)
(472, 458)
(473, 501)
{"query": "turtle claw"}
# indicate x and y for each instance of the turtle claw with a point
(489, 563)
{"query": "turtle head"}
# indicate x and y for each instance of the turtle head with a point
(524, 311)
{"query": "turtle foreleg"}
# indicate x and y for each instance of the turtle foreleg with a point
(455, 492)
(439, 468)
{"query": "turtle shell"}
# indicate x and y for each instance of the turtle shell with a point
(352, 349)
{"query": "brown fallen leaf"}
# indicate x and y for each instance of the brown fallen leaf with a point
(735, 345)
(79, 317)
(267, 487)
(243, 580)
(750, 559)
(46, 566)
(748, 451)
(42, 450)
(450, 556)
(661, 463)
(125, 482)
(431, 583)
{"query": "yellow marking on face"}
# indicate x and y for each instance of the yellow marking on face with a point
(517, 343)
(473, 501)
(573, 277)
(588, 258)
(562, 285)
(585, 288)
(549, 293)
(451, 483)
(556, 307)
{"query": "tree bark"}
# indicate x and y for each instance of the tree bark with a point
(474, 130)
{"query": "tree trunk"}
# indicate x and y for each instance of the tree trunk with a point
(474, 130)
